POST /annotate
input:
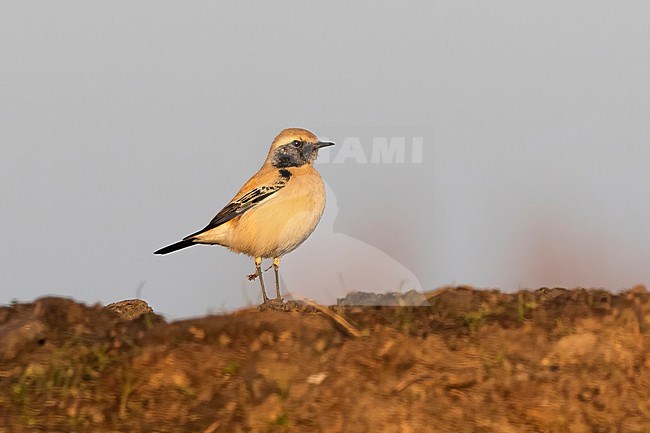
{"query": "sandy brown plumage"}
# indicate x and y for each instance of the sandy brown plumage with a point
(276, 209)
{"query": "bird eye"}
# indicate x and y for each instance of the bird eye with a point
(296, 143)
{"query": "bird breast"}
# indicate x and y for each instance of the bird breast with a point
(280, 224)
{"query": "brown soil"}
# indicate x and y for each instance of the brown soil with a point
(550, 360)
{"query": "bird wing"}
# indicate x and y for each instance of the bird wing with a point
(246, 199)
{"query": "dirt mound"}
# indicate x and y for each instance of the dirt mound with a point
(550, 360)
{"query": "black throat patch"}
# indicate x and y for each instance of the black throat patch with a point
(286, 174)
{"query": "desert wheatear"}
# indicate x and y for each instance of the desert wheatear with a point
(275, 211)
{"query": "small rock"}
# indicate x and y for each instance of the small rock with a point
(266, 413)
(320, 345)
(267, 338)
(395, 299)
(639, 288)
(224, 339)
(131, 308)
(317, 379)
(197, 332)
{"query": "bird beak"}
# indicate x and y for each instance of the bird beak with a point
(320, 144)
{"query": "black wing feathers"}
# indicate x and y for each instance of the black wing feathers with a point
(245, 202)
(233, 210)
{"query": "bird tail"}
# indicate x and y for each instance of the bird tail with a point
(177, 246)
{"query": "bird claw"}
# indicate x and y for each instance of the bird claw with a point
(252, 277)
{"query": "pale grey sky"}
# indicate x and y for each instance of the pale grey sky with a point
(127, 125)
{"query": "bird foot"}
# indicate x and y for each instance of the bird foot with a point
(252, 277)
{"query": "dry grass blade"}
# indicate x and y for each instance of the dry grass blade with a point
(212, 428)
(343, 325)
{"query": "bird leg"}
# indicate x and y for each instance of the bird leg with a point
(258, 269)
(276, 267)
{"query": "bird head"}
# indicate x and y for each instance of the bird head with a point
(295, 147)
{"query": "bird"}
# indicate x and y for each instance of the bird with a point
(275, 211)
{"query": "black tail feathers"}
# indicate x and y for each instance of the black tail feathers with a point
(177, 246)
